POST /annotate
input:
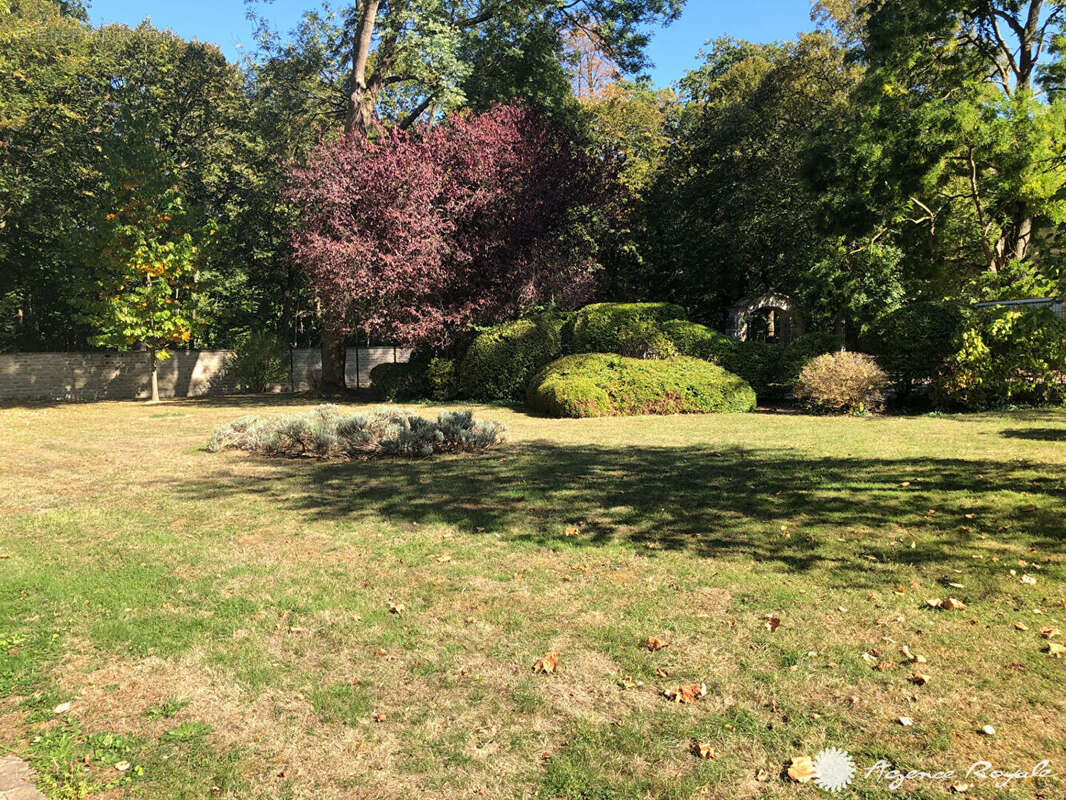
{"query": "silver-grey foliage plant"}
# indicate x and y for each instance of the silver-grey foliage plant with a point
(327, 432)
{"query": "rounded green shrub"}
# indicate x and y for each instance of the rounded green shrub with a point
(500, 361)
(699, 341)
(601, 385)
(843, 383)
(1005, 357)
(913, 342)
(604, 327)
(759, 363)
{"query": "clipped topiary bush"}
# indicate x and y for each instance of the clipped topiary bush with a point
(1005, 357)
(326, 432)
(759, 363)
(644, 338)
(399, 382)
(699, 341)
(499, 362)
(602, 327)
(842, 383)
(600, 385)
(913, 342)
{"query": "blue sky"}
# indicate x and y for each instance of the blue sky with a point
(673, 49)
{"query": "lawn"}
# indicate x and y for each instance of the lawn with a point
(225, 625)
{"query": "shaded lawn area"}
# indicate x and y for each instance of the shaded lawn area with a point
(225, 623)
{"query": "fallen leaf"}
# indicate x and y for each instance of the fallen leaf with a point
(655, 644)
(381, 716)
(444, 558)
(960, 788)
(572, 531)
(122, 766)
(703, 750)
(885, 666)
(935, 602)
(62, 708)
(1020, 626)
(912, 658)
(547, 664)
(920, 678)
(988, 730)
(1028, 580)
(662, 672)
(802, 770)
(1055, 649)
(906, 722)
(954, 604)
(397, 608)
(772, 622)
(1050, 633)
(686, 694)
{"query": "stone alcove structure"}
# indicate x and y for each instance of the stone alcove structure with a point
(768, 317)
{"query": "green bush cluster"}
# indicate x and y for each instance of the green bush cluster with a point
(699, 341)
(1005, 357)
(326, 432)
(500, 362)
(973, 359)
(842, 383)
(604, 327)
(600, 385)
(399, 382)
(441, 378)
(914, 341)
(769, 369)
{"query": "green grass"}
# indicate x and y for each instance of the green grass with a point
(222, 622)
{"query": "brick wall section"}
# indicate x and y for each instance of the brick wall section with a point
(122, 376)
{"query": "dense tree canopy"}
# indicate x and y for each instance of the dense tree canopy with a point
(476, 220)
(905, 149)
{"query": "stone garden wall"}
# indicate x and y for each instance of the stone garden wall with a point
(123, 376)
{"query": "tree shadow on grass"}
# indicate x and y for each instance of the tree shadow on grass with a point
(1036, 434)
(703, 501)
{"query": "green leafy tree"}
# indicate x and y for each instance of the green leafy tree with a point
(85, 110)
(149, 296)
(950, 147)
(394, 62)
(730, 211)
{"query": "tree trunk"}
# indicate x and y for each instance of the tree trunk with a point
(333, 355)
(1024, 233)
(361, 100)
(155, 377)
(361, 103)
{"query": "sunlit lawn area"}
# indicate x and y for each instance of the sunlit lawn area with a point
(227, 624)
